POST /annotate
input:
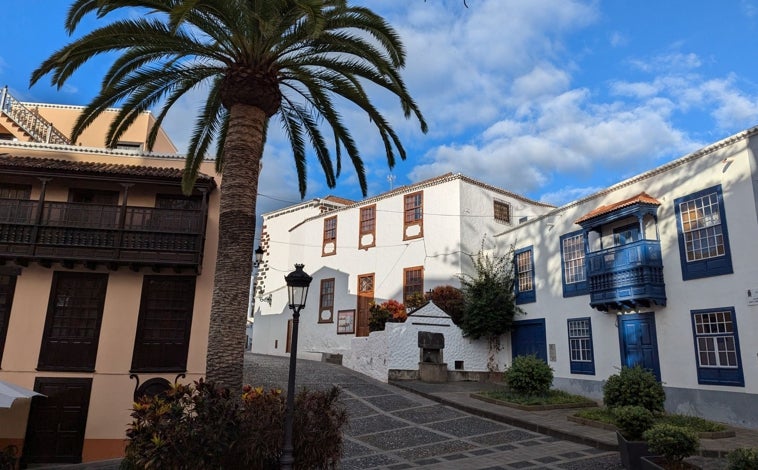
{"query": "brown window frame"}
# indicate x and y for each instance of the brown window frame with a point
(328, 296)
(363, 230)
(498, 208)
(413, 214)
(15, 191)
(54, 354)
(175, 305)
(329, 236)
(414, 288)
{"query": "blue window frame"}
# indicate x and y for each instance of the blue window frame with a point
(524, 262)
(703, 236)
(717, 347)
(573, 265)
(581, 355)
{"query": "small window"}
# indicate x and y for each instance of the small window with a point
(502, 212)
(525, 276)
(72, 326)
(572, 262)
(367, 229)
(717, 347)
(703, 236)
(413, 283)
(121, 145)
(581, 357)
(329, 245)
(326, 301)
(413, 220)
(163, 328)
(15, 191)
(346, 322)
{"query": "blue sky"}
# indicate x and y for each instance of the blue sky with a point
(553, 99)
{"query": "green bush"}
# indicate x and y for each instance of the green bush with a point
(529, 375)
(742, 459)
(633, 421)
(675, 443)
(201, 426)
(634, 386)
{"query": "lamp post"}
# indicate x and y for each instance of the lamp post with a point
(297, 287)
(258, 256)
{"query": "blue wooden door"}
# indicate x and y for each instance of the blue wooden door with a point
(528, 337)
(638, 341)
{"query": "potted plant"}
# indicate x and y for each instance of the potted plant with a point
(632, 422)
(673, 444)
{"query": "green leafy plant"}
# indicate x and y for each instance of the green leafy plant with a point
(450, 300)
(390, 311)
(634, 386)
(674, 443)
(529, 375)
(742, 458)
(201, 426)
(633, 421)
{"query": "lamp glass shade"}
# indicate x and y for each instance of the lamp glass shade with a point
(258, 255)
(297, 286)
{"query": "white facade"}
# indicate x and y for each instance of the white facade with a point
(458, 214)
(697, 217)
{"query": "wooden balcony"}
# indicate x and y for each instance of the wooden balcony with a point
(93, 234)
(627, 277)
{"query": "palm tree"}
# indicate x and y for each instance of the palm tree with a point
(258, 59)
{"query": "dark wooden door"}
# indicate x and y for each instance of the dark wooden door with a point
(639, 344)
(55, 430)
(528, 337)
(365, 298)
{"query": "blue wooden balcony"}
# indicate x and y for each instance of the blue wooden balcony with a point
(626, 277)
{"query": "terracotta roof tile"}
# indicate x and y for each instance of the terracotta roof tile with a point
(8, 161)
(339, 200)
(641, 198)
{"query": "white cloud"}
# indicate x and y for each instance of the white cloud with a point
(568, 194)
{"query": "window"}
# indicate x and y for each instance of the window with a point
(502, 212)
(346, 322)
(572, 262)
(703, 237)
(626, 234)
(15, 191)
(172, 201)
(367, 229)
(717, 347)
(7, 288)
(580, 346)
(525, 276)
(326, 302)
(413, 283)
(72, 326)
(163, 328)
(329, 246)
(413, 223)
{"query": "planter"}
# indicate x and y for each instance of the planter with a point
(656, 462)
(632, 452)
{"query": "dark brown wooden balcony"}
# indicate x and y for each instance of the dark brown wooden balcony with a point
(93, 234)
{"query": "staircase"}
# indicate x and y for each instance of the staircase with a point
(29, 122)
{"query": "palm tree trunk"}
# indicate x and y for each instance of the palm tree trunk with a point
(243, 150)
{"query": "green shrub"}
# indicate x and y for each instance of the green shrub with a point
(201, 426)
(742, 459)
(633, 421)
(529, 375)
(675, 443)
(634, 386)
(390, 311)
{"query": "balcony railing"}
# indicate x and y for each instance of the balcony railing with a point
(94, 233)
(627, 277)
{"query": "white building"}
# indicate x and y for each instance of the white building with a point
(405, 241)
(659, 270)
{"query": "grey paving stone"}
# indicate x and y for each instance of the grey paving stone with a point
(427, 461)
(547, 459)
(512, 435)
(391, 402)
(530, 443)
(356, 408)
(467, 426)
(373, 424)
(402, 438)
(521, 464)
(351, 448)
(441, 448)
(481, 452)
(428, 414)
(454, 456)
(572, 455)
(368, 462)
(505, 447)
(365, 390)
(400, 466)
(605, 462)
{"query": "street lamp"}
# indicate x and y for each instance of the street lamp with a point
(258, 256)
(297, 287)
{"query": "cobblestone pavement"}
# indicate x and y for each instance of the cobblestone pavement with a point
(390, 428)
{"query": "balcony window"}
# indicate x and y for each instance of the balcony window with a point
(573, 264)
(413, 220)
(525, 276)
(326, 301)
(329, 244)
(703, 236)
(582, 359)
(717, 347)
(367, 229)
(413, 283)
